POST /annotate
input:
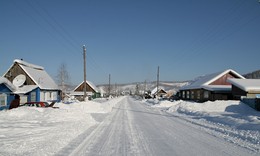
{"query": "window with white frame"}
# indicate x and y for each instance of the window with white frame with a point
(33, 96)
(47, 96)
(198, 94)
(188, 94)
(54, 96)
(206, 94)
(42, 96)
(192, 94)
(3, 99)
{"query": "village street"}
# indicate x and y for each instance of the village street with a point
(133, 128)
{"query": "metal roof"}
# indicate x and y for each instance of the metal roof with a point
(204, 81)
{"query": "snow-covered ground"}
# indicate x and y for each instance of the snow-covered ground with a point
(44, 131)
(232, 120)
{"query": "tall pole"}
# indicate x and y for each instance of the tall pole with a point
(158, 72)
(144, 86)
(109, 85)
(85, 73)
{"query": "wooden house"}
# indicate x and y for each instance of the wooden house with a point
(91, 91)
(210, 87)
(159, 93)
(247, 88)
(6, 93)
(32, 82)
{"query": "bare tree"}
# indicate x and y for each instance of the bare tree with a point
(109, 89)
(63, 79)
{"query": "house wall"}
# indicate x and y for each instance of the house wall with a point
(34, 95)
(81, 88)
(202, 95)
(23, 99)
(223, 80)
(43, 95)
(194, 94)
(5, 100)
(237, 92)
(15, 71)
(219, 96)
(6, 97)
(49, 95)
(252, 95)
(161, 93)
(4, 89)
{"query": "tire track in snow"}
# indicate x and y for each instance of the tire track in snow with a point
(116, 135)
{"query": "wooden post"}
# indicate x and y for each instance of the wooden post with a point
(158, 72)
(85, 73)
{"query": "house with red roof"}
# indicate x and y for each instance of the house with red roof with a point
(210, 87)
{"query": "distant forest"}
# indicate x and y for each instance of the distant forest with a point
(253, 75)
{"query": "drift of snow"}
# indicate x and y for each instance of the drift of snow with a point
(44, 131)
(232, 120)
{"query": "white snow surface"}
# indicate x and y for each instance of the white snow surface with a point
(232, 120)
(247, 85)
(45, 131)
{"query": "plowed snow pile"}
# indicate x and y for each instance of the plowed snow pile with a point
(44, 131)
(232, 120)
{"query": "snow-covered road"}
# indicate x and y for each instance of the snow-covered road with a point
(133, 128)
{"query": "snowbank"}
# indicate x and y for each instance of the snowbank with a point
(233, 120)
(44, 131)
(232, 113)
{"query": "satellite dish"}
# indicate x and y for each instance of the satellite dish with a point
(19, 80)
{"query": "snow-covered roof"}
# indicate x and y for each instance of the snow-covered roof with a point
(204, 81)
(90, 84)
(217, 87)
(154, 91)
(3, 80)
(25, 89)
(93, 86)
(248, 85)
(38, 75)
(21, 62)
(80, 93)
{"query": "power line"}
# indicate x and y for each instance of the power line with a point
(58, 29)
(35, 20)
(70, 39)
(215, 33)
(73, 40)
(61, 34)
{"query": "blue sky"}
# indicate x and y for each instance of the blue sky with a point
(130, 38)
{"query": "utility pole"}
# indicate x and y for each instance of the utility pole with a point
(109, 85)
(85, 73)
(144, 86)
(158, 75)
(115, 89)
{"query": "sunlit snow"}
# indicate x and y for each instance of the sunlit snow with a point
(45, 131)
